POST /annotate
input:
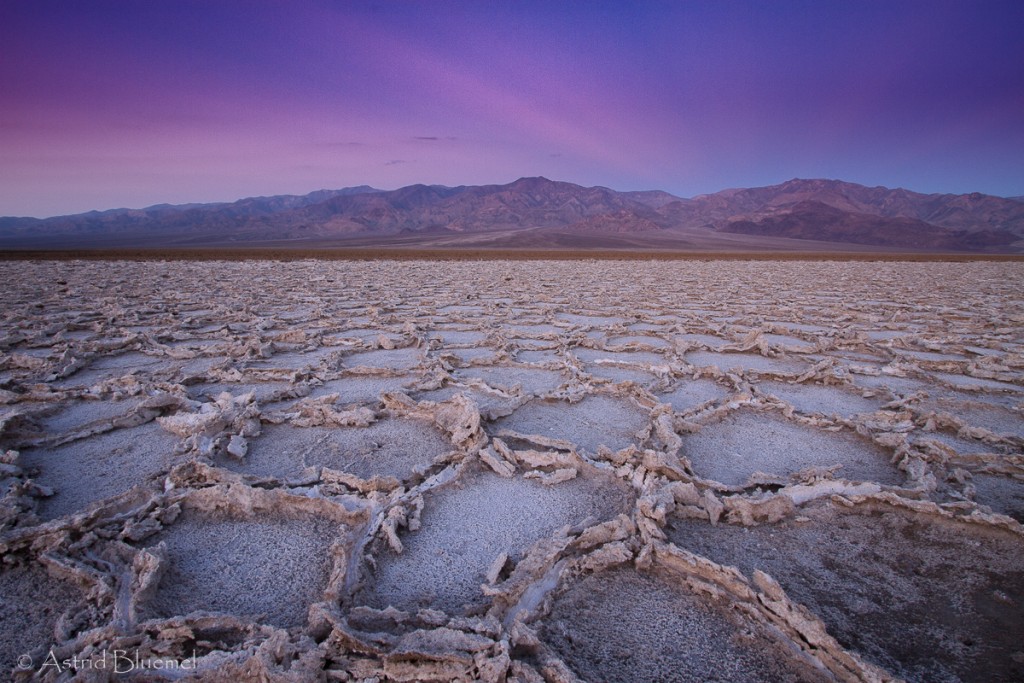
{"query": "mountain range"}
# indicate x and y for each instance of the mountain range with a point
(537, 213)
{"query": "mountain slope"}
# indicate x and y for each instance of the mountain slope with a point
(798, 214)
(970, 212)
(170, 219)
(812, 220)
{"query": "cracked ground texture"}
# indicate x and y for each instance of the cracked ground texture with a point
(513, 470)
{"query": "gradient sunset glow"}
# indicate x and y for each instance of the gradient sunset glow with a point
(113, 104)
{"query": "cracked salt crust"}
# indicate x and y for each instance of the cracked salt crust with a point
(474, 471)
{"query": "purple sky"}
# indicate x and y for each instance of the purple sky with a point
(110, 104)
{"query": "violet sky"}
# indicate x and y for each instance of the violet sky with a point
(137, 102)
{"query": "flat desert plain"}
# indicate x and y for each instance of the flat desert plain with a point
(512, 470)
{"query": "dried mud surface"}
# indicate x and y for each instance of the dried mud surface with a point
(214, 562)
(624, 625)
(512, 470)
(926, 598)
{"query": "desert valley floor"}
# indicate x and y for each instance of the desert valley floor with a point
(512, 471)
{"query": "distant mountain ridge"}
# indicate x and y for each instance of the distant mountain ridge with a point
(537, 212)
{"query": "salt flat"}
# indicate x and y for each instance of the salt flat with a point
(517, 470)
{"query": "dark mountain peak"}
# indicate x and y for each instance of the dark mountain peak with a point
(802, 185)
(805, 182)
(357, 189)
(536, 183)
(420, 195)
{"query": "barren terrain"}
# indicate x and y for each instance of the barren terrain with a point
(501, 470)
(539, 214)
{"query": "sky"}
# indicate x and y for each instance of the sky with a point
(130, 103)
